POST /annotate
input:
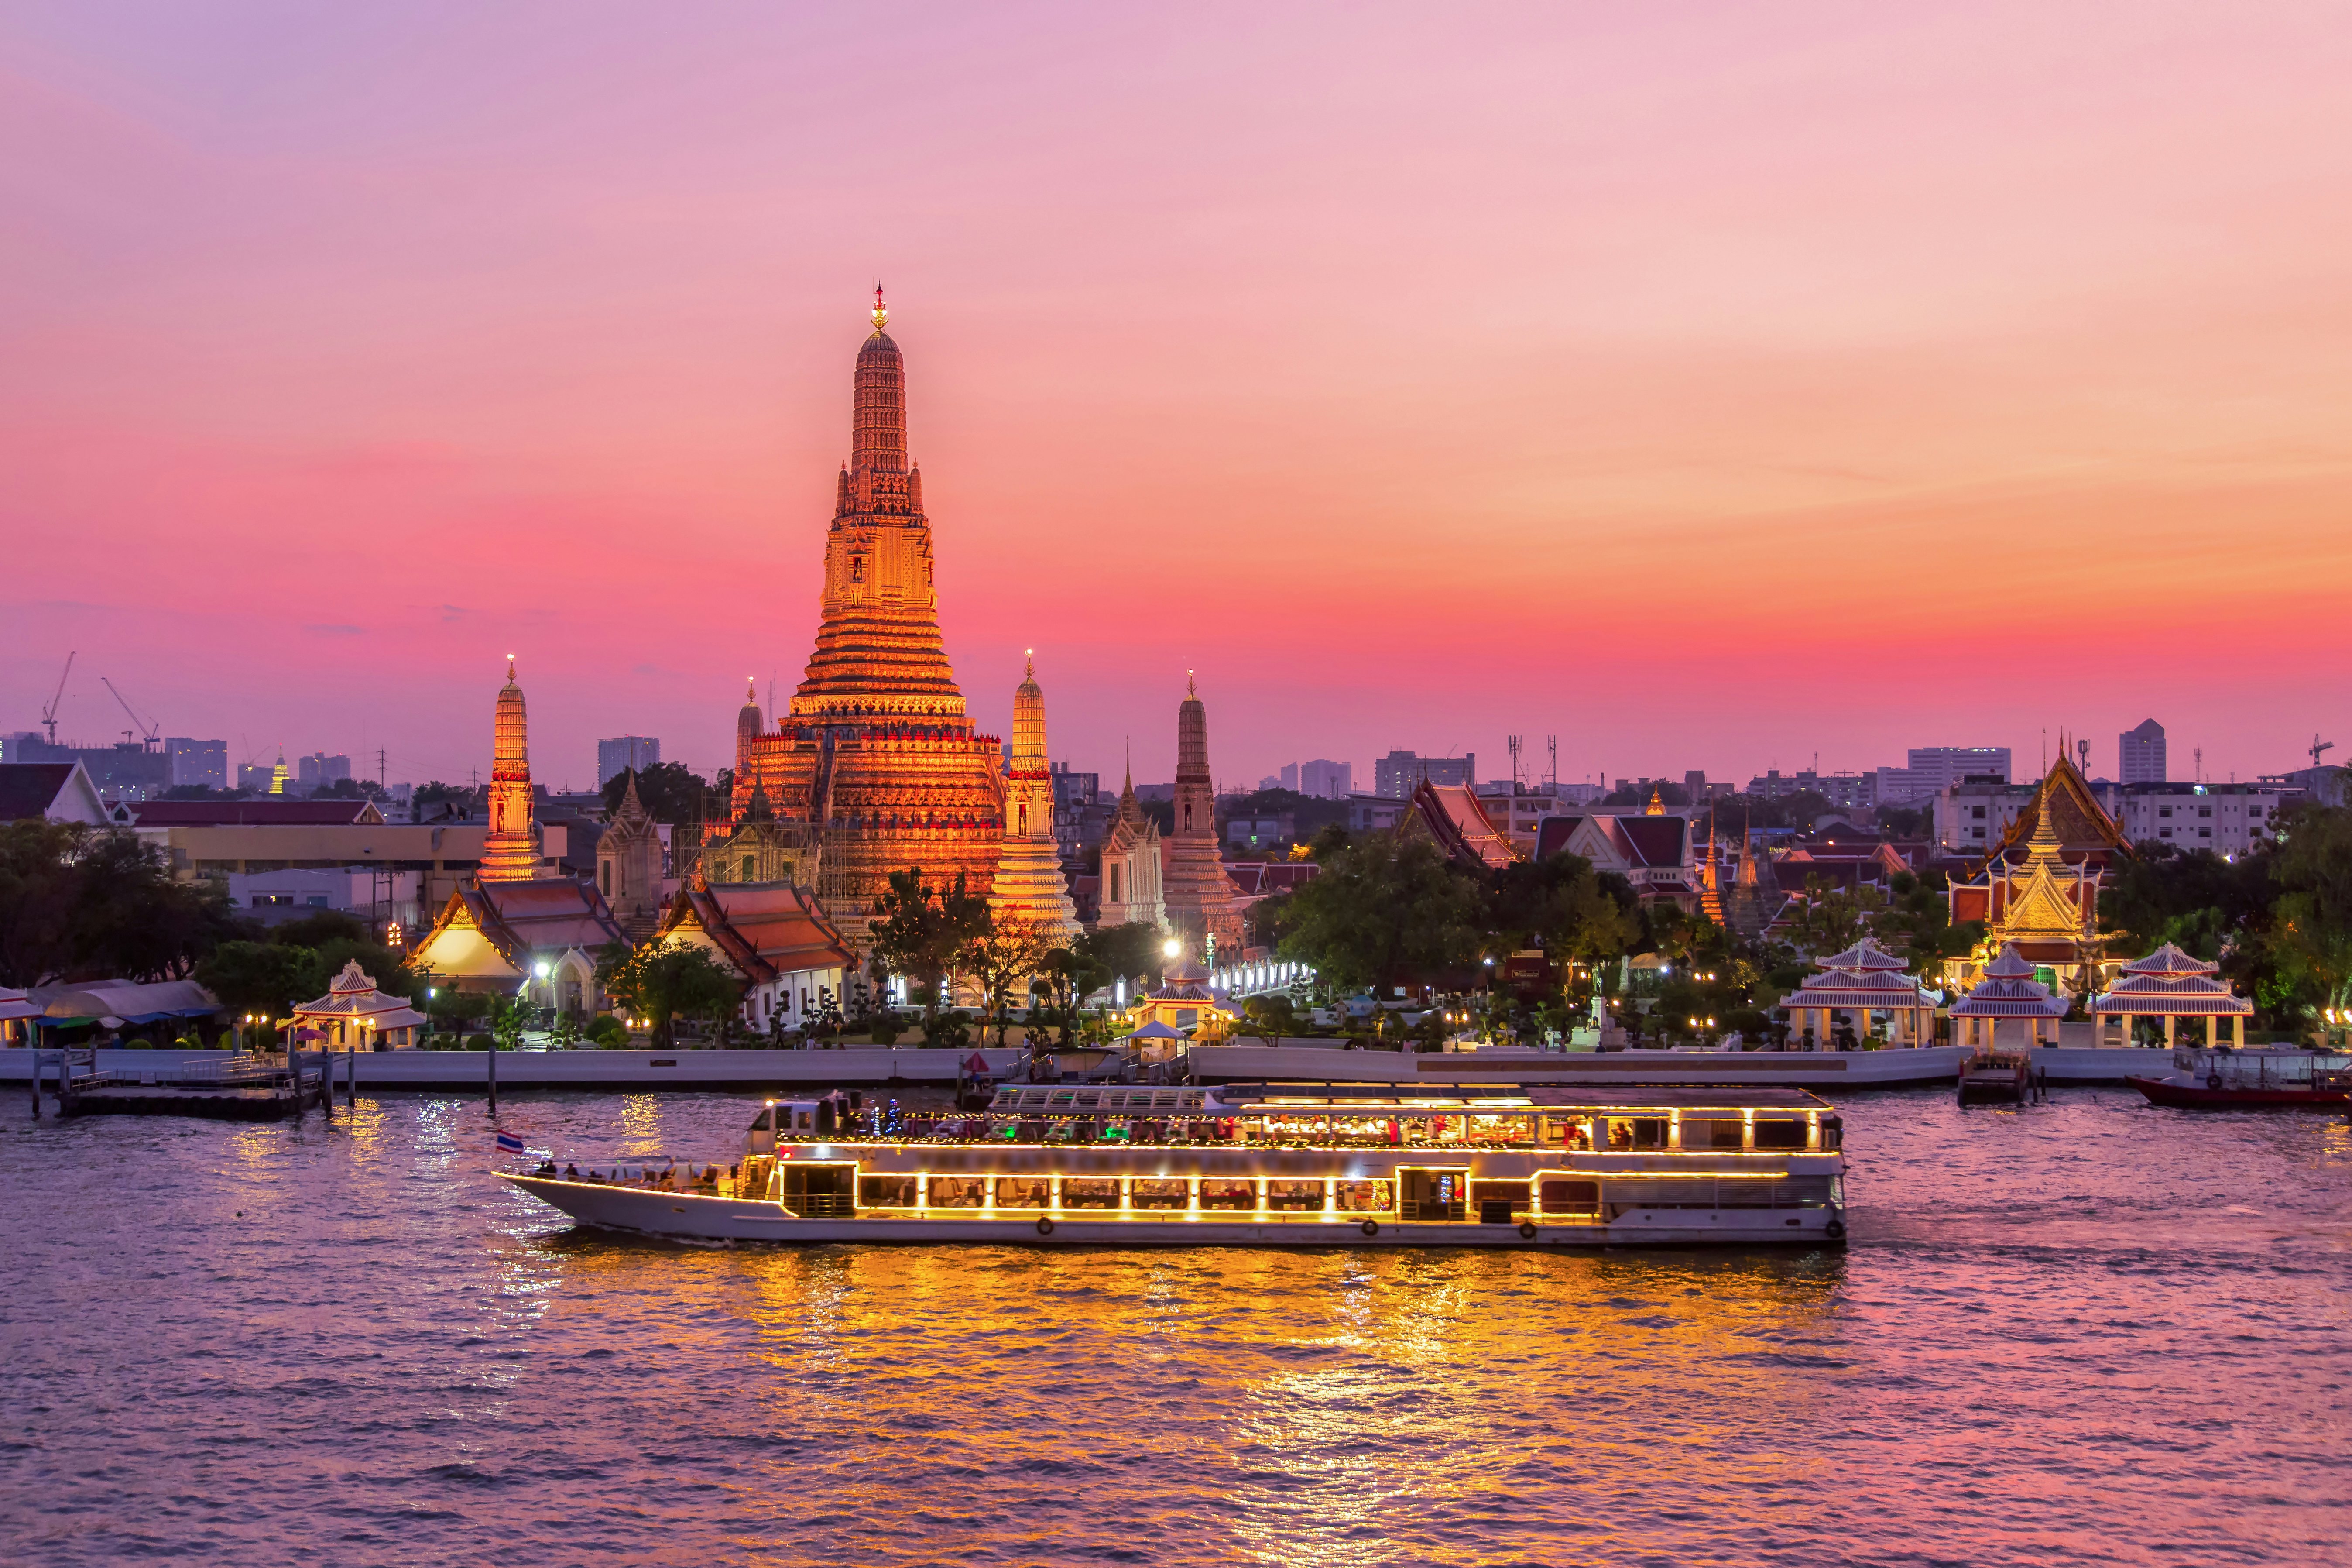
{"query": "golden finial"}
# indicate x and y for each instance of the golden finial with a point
(1192, 686)
(1028, 664)
(881, 312)
(510, 669)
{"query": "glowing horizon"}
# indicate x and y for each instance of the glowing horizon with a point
(1707, 388)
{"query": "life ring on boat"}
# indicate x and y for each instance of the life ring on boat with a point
(1044, 1227)
(1835, 1230)
(2212, 1080)
(1527, 1230)
(1371, 1227)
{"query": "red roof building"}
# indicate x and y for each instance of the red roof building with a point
(794, 961)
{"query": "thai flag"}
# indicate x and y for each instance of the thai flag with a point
(509, 1144)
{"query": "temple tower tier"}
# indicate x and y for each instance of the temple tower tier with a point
(511, 849)
(1203, 903)
(1029, 884)
(874, 766)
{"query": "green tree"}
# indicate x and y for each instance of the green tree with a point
(1067, 976)
(2311, 924)
(258, 976)
(1002, 955)
(1386, 911)
(671, 792)
(1269, 1017)
(665, 981)
(78, 902)
(1136, 952)
(1560, 904)
(509, 1017)
(921, 933)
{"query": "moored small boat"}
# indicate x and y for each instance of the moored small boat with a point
(2226, 1077)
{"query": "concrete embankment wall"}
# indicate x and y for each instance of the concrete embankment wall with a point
(753, 1071)
(1321, 1062)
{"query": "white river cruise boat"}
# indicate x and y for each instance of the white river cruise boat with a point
(1261, 1165)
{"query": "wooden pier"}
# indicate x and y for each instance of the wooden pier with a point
(2002, 1077)
(247, 1087)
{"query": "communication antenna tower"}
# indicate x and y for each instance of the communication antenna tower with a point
(1513, 742)
(2199, 771)
(1551, 769)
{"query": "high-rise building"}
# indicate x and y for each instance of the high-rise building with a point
(1398, 775)
(511, 849)
(876, 766)
(623, 753)
(2139, 754)
(319, 769)
(1289, 776)
(201, 763)
(1327, 780)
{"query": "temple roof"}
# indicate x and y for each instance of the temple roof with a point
(2009, 990)
(1452, 816)
(2081, 825)
(764, 928)
(553, 914)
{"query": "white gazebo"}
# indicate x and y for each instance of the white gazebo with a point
(1863, 979)
(353, 1016)
(2008, 992)
(2169, 985)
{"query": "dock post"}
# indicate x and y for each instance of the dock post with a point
(491, 1069)
(36, 1085)
(352, 1085)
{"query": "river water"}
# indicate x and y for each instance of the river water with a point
(2089, 1332)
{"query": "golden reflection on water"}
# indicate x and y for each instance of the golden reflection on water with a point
(1306, 1401)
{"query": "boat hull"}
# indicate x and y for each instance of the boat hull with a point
(694, 1218)
(2197, 1096)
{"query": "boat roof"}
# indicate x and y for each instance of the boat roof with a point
(1493, 1099)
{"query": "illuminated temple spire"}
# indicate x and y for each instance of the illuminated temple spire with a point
(1029, 883)
(873, 767)
(511, 849)
(878, 651)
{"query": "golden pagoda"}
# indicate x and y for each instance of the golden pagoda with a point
(277, 774)
(511, 849)
(875, 768)
(1029, 881)
(2038, 890)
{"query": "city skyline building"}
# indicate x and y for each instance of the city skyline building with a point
(2139, 754)
(1398, 775)
(622, 753)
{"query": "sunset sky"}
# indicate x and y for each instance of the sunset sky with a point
(1708, 384)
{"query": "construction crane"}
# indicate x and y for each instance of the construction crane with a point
(49, 714)
(147, 732)
(2317, 745)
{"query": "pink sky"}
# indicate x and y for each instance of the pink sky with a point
(1710, 385)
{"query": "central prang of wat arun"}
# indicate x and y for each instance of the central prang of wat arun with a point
(876, 766)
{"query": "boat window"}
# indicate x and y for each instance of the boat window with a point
(1562, 1195)
(1777, 1133)
(958, 1192)
(1090, 1192)
(1222, 1194)
(1363, 1197)
(1498, 1203)
(1294, 1196)
(1156, 1193)
(1023, 1192)
(1714, 1133)
(886, 1192)
(765, 1121)
(1431, 1194)
(1637, 1132)
(1833, 1132)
